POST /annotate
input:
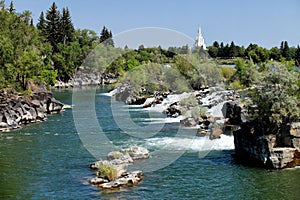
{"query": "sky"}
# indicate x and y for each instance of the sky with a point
(263, 22)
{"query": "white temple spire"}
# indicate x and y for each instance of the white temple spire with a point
(199, 41)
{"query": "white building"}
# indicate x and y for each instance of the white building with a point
(199, 41)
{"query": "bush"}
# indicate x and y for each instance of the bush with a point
(276, 101)
(107, 170)
(189, 102)
(236, 85)
(198, 112)
(227, 72)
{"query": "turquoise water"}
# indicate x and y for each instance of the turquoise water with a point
(49, 161)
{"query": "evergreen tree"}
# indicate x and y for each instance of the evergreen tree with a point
(41, 25)
(281, 47)
(221, 50)
(52, 28)
(216, 44)
(213, 51)
(297, 57)
(232, 52)
(275, 53)
(12, 7)
(106, 37)
(67, 28)
(286, 51)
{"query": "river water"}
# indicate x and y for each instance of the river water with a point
(49, 161)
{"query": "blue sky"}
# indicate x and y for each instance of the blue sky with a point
(264, 22)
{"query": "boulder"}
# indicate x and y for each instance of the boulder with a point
(216, 134)
(127, 179)
(118, 158)
(232, 111)
(137, 152)
(174, 110)
(188, 122)
(97, 180)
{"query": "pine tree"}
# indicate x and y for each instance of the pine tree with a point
(216, 44)
(41, 25)
(12, 7)
(52, 28)
(104, 34)
(232, 50)
(297, 57)
(67, 28)
(286, 51)
(106, 37)
(281, 47)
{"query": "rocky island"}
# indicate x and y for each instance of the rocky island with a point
(112, 173)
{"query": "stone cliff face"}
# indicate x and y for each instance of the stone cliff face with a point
(272, 151)
(278, 150)
(16, 110)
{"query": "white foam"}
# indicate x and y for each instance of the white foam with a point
(194, 144)
(110, 94)
(165, 120)
(168, 101)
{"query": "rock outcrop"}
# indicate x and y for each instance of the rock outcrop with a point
(87, 78)
(272, 151)
(16, 110)
(118, 162)
(128, 94)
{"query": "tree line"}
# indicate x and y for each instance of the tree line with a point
(51, 50)
(256, 53)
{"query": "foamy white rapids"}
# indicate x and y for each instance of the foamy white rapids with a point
(111, 93)
(172, 98)
(192, 144)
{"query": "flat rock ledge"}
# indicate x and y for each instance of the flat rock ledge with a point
(16, 110)
(117, 163)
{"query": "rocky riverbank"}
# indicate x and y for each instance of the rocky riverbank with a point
(272, 151)
(85, 78)
(17, 110)
(112, 173)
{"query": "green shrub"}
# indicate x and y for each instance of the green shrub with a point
(198, 112)
(236, 85)
(227, 72)
(189, 102)
(276, 100)
(107, 170)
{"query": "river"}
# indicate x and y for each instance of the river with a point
(49, 161)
